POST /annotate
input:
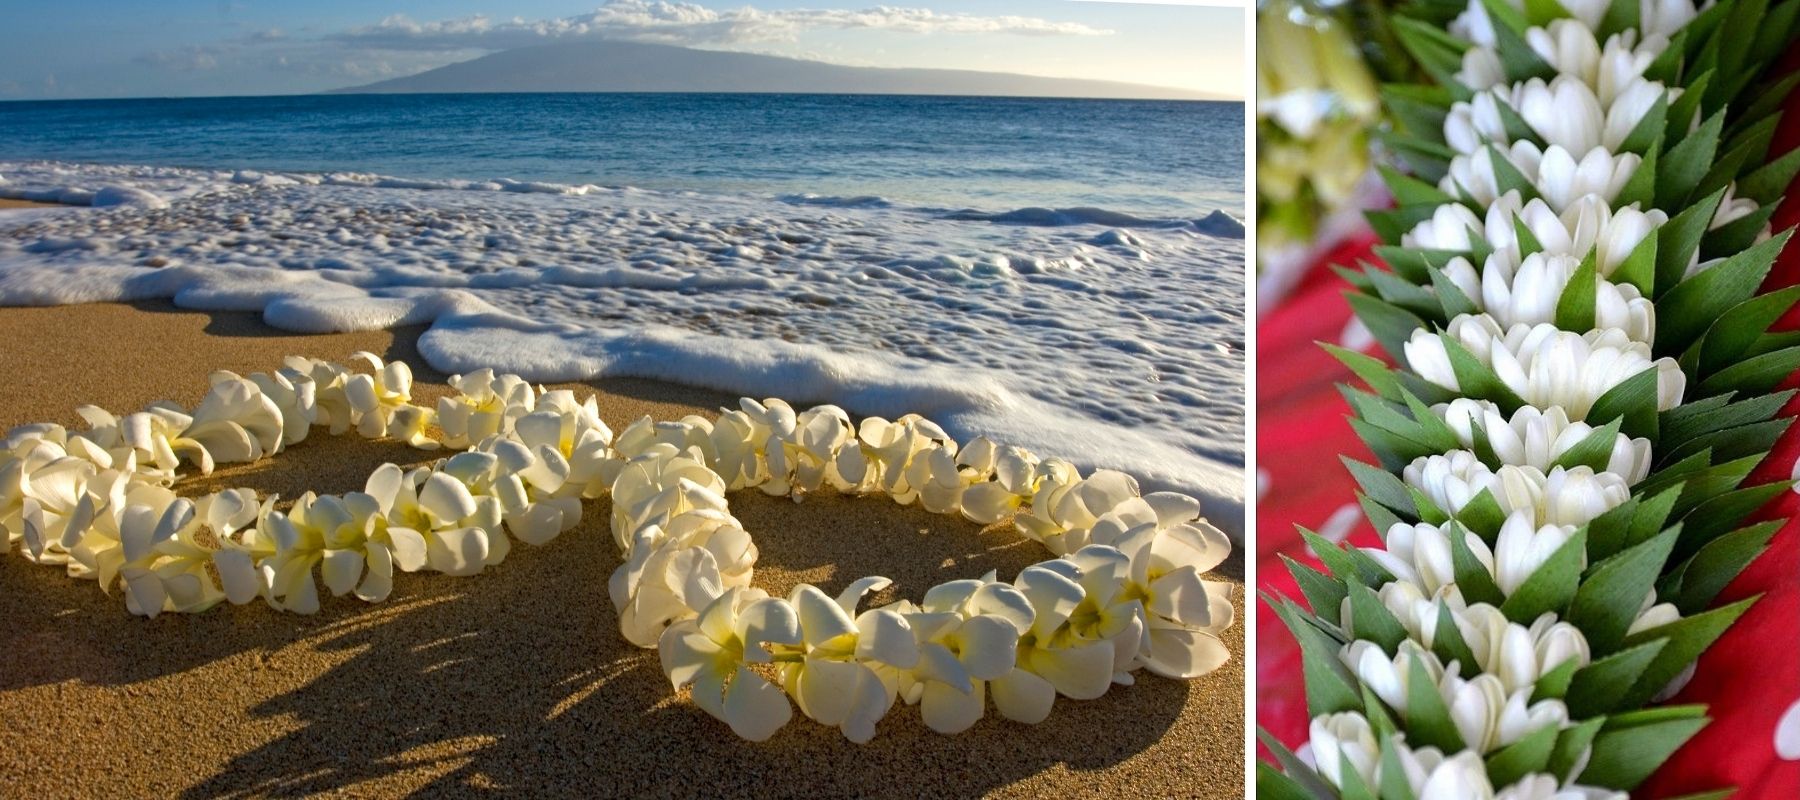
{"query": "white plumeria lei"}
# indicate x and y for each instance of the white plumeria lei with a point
(1126, 590)
(1579, 117)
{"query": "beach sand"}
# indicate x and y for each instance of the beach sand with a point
(513, 680)
(8, 203)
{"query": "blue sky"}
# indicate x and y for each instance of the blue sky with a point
(126, 48)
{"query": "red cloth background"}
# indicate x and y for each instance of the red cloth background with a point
(1749, 678)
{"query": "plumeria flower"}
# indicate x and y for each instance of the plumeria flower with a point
(658, 486)
(834, 681)
(293, 394)
(432, 519)
(1066, 507)
(341, 535)
(1014, 481)
(485, 404)
(1075, 668)
(1534, 438)
(376, 398)
(99, 551)
(889, 447)
(55, 505)
(967, 633)
(331, 403)
(1546, 366)
(203, 551)
(671, 572)
(714, 650)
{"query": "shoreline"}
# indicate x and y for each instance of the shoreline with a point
(9, 204)
(513, 679)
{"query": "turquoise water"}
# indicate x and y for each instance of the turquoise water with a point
(1149, 158)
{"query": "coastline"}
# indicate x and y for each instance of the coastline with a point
(514, 679)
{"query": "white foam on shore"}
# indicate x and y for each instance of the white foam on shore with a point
(1111, 343)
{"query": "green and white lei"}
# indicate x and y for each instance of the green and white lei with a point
(1586, 379)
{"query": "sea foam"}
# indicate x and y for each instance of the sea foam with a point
(1112, 340)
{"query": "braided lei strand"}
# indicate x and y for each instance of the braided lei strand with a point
(1124, 592)
(1586, 379)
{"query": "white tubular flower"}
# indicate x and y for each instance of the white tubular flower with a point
(485, 404)
(1014, 481)
(1462, 776)
(1450, 227)
(1547, 787)
(714, 650)
(1568, 47)
(1564, 112)
(375, 397)
(1512, 653)
(1534, 438)
(1546, 366)
(1665, 17)
(1471, 125)
(204, 551)
(1732, 208)
(340, 534)
(1561, 497)
(1561, 179)
(1652, 614)
(1419, 555)
(1388, 676)
(1471, 172)
(1521, 549)
(1481, 69)
(1587, 224)
(1344, 741)
(834, 682)
(1489, 718)
(1529, 293)
(1623, 61)
(331, 404)
(968, 636)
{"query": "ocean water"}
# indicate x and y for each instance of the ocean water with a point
(1066, 275)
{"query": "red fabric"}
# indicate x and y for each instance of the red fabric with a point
(1749, 679)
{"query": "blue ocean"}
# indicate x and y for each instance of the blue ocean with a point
(1067, 275)
(1149, 158)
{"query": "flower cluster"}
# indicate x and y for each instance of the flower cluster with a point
(1125, 591)
(1574, 274)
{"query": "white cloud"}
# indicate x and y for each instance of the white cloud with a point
(686, 24)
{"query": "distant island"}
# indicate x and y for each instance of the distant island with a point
(616, 66)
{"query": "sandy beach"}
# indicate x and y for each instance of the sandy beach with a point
(7, 203)
(515, 680)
